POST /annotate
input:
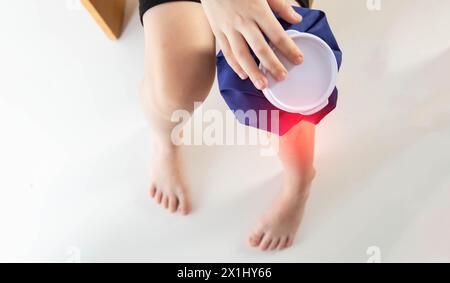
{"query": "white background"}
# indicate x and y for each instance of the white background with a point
(74, 147)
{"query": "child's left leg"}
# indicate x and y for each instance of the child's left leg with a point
(278, 227)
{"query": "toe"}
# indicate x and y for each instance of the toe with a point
(255, 239)
(173, 203)
(274, 244)
(158, 196)
(152, 191)
(290, 241)
(165, 202)
(265, 244)
(283, 242)
(184, 205)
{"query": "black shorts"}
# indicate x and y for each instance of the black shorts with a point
(145, 5)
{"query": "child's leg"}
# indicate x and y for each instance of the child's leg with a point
(278, 228)
(179, 70)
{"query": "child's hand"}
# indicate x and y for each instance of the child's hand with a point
(236, 23)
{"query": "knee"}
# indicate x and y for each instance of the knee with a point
(162, 98)
(170, 86)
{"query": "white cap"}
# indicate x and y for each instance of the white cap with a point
(308, 86)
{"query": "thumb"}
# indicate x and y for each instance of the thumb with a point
(285, 10)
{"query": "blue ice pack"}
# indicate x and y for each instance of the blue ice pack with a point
(242, 97)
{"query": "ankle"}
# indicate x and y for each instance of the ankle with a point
(299, 181)
(165, 147)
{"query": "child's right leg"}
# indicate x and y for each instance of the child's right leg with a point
(179, 71)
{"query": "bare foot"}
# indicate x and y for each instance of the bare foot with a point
(168, 187)
(278, 227)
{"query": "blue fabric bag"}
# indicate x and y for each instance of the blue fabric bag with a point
(242, 97)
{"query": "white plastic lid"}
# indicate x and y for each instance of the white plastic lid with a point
(308, 86)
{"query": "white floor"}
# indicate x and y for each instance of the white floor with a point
(74, 154)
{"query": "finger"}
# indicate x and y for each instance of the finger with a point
(259, 45)
(285, 10)
(279, 38)
(229, 56)
(246, 61)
